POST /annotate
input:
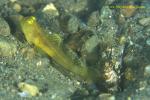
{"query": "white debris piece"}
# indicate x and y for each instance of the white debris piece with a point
(50, 8)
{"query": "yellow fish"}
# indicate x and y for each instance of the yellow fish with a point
(34, 34)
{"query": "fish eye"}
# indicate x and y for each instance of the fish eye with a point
(31, 20)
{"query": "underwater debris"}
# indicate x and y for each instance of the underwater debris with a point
(28, 90)
(51, 9)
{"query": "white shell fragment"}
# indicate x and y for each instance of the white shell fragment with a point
(27, 89)
(50, 8)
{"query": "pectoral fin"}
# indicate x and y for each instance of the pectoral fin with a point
(56, 39)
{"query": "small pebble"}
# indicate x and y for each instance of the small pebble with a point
(51, 9)
(91, 43)
(148, 41)
(7, 47)
(73, 24)
(4, 27)
(28, 53)
(94, 19)
(17, 7)
(28, 89)
(145, 21)
(147, 70)
(106, 96)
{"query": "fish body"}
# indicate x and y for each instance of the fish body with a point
(34, 34)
